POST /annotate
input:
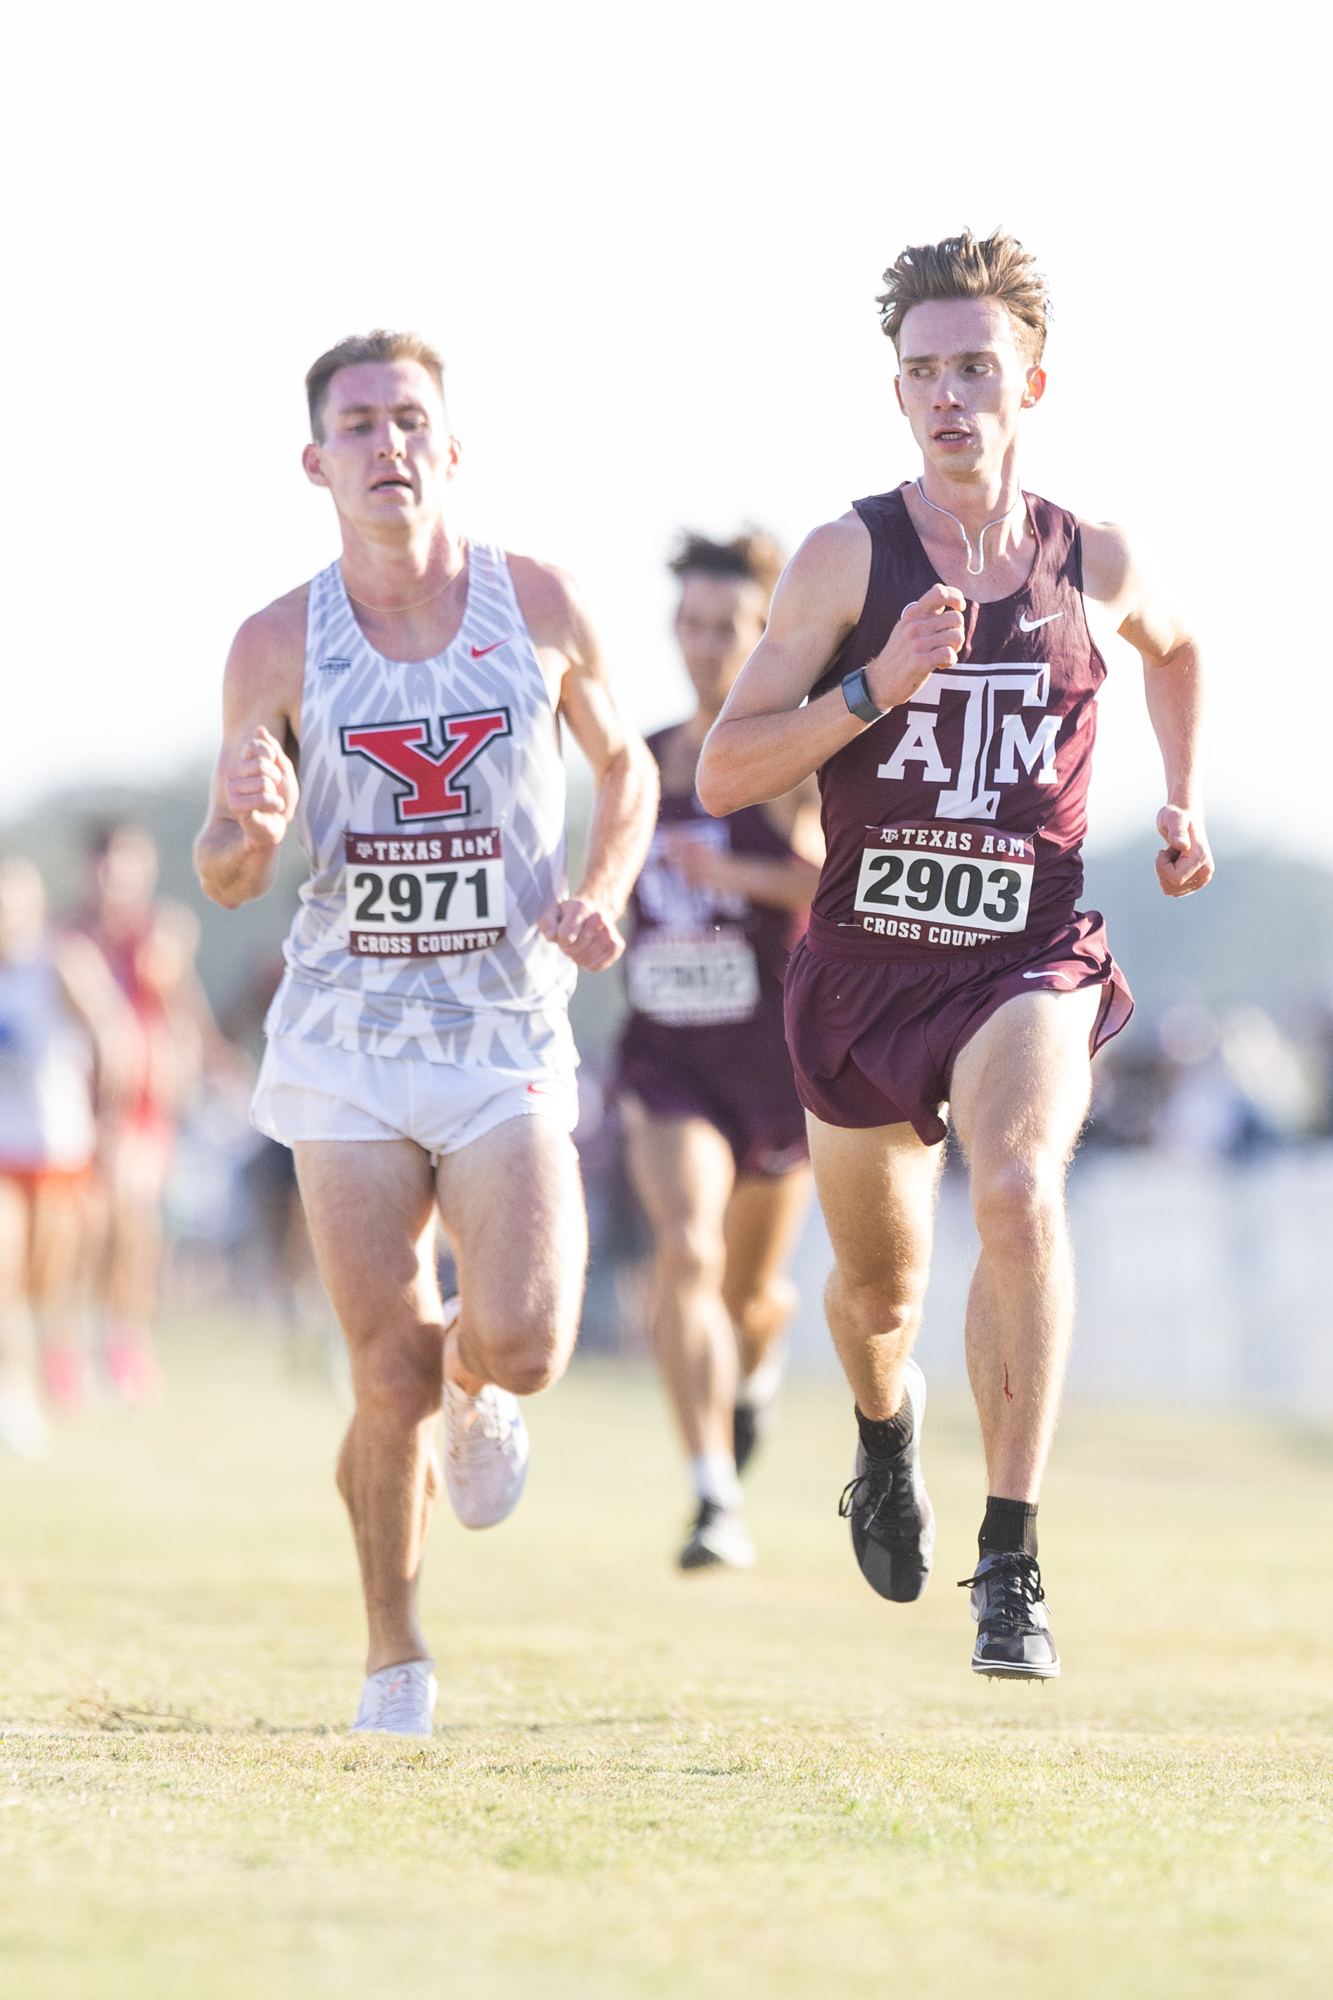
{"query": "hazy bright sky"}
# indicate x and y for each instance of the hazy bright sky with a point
(648, 241)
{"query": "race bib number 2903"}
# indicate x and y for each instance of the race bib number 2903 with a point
(941, 884)
(426, 895)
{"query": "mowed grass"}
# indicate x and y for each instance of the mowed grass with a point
(643, 1783)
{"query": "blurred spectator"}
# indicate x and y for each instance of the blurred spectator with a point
(60, 1013)
(1209, 1085)
(149, 948)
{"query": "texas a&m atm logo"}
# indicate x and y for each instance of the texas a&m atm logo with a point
(406, 752)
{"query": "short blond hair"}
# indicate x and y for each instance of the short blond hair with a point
(965, 267)
(381, 345)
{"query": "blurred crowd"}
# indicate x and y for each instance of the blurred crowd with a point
(107, 1045)
(1210, 1083)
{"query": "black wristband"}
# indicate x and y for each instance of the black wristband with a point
(856, 694)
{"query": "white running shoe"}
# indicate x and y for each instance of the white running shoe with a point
(398, 1701)
(23, 1428)
(719, 1537)
(485, 1454)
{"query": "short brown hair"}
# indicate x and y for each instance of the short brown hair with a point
(961, 267)
(381, 345)
(752, 555)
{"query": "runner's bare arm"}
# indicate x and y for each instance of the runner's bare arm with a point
(1173, 686)
(625, 776)
(254, 787)
(95, 1000)
(781, 885)
(765, 741)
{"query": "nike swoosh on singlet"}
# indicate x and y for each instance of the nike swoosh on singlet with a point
(480, 652)
(1026, 624)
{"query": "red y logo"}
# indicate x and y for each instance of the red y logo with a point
(403, 750)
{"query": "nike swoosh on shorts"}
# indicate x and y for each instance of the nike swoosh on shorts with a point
(1026, 624)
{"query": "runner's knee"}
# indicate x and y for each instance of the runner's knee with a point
(1018, 1205)
(877, 1303)
(526, 1352)
(690, 1253)
(759, 1311)
(398, 1378)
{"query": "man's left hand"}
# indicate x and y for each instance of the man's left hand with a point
(585, 932)
(1186, 862)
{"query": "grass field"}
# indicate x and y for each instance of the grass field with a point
(648, 1784)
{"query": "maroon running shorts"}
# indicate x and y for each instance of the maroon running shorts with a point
(737, 1076)
(875, 1043)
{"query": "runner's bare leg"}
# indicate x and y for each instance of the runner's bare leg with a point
(763, 1226)
(683, 1173)
(877, 1187)
(370, 1208)
(1020, 1095)
(17, 1352)
(369, 1204)
(513, 1206)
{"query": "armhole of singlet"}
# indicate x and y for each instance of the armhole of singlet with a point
(504, 582)
(877, 581)
(317, 590)
(1093, 647)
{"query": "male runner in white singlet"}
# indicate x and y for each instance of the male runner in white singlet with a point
(419, 1051)
(935, 654)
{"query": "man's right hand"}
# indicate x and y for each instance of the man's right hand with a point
(262, 792)
(927, 638)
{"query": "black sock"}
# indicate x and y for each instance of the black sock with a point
(1009, 1524)
(886, 1437)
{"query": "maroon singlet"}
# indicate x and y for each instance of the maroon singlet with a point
(955, 823)
(704, 973)
(954, 826)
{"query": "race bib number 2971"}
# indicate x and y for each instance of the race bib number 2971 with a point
(941, 884)
(424, 895)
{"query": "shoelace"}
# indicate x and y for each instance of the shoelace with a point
(874, 1490)
(491, 1420)
(399, 1705)
(1019, 1579)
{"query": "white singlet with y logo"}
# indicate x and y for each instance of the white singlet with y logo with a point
(432, 812)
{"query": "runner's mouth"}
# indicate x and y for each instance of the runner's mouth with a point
(952, 436)
(382, 485)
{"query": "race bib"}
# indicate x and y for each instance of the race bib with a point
(428, 895)
(940, 883)
(693, 979)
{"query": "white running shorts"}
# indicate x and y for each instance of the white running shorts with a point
(310, 1090)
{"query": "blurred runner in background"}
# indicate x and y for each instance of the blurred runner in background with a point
(149, 948)
(59, 1011)
(715, 1129)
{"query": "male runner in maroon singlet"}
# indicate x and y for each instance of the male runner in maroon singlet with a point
(419, 1056)
(716, 1133)
(948, 637)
